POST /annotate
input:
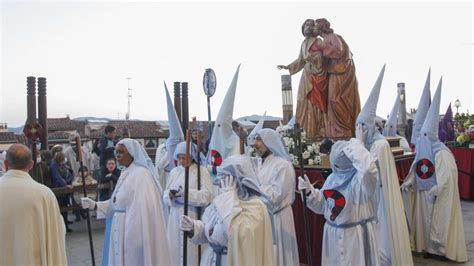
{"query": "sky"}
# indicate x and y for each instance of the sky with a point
(87, 49)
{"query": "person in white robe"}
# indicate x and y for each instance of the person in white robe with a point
(161, 164)
(237, 225)
(347, 202)
(135, 228)
(437, 224)
(31, 228)
(276, 179)
(71, 156)
(199, 198)
(390, 128)
(392, 229)
(2, 167)
(408, 195)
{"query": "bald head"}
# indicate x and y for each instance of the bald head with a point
(19, 158)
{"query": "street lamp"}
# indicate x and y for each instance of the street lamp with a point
(457, 104)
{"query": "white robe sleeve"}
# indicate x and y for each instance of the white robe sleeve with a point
(102, 207)
(283, 179)
(198, 237)
(316, 201)
(364, 164)
(166, 193)
(203, 196)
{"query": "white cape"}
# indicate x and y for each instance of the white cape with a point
(392, 228)
(437, 227)
(276, 179)
(137, 235)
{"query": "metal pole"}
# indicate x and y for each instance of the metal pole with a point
(307, 230)
(209, 116)
(186, 195)
(129, 95)
(79, 158)
(199, 183)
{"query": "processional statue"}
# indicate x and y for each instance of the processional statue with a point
(328, 97)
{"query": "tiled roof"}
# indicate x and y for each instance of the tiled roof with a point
(137, 129)
(8, 137)
(22, 139)
(58, 135)
(61, 124)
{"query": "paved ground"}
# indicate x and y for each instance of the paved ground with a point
(78, 251)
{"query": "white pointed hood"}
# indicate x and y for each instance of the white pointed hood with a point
(422, 110)
(368, 113)
(224, 140)
(175, 132)
(431, 124)
(259, 126)
(428, 145)
(390, 129)
(291, 123)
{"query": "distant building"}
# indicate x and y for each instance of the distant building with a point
(149, 133)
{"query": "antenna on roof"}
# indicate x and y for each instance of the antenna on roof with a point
(129, 96)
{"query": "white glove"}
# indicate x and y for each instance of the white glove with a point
(186, 223)
(408, 186)
(227, 184)
(361, 133)
(305, 184)
(180, 193)
(176, 193)
(87, 203)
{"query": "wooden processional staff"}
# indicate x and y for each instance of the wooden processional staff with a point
(79, 159)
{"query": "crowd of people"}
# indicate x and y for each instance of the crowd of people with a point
(59, 168)
(249, 221)
(239, 212)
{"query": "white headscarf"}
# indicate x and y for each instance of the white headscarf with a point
(140, 157)
(342, 168)
(274, 143)
(181, 149)
(251, 136)
(245, 171)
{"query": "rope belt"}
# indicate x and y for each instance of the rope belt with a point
(219, 250)
(363, 223)
(281, 209)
